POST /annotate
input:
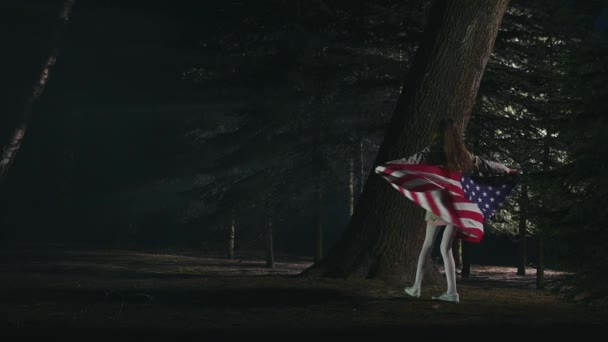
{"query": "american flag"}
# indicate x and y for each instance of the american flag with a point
(459, 200)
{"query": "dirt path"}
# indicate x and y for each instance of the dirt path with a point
(73, 292)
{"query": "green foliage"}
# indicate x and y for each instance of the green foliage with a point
(541, 108)
(586, 218)
(310, 83)
(306, 83)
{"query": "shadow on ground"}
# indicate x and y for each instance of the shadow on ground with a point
(68, 292)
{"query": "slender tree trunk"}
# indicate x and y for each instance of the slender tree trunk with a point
(540, 269)
(523, 217)
(351, 185)
(318, 224)
(385, 233)
(269, 245)
(231, 236)
(466, 260)
(9, 151)
(318, 174)
(457, 251)
(318, 200)
(361, 169)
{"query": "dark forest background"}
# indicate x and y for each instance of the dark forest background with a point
(164, 122)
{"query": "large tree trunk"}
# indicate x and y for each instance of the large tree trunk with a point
(9, 151)
(523, 218)
(385, 233)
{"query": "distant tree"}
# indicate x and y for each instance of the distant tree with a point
(528, 97)
(579, 197)
(523, 218)
(299, 117)
(231, 236)
(11, 148)
(269, 245)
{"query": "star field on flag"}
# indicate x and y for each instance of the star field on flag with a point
(488, 193)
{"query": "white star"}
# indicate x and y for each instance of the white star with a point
(471, 181)
(504, 185)
(477, 187)
(467, 186)
(485, 194)
(473, 193)
(487, 205)
(490, 188)
(498, 192)
(479, 199)
(492, 199)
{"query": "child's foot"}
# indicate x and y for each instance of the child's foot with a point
(448, 297)
(412, 291)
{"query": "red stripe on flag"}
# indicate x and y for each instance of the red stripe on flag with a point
(425, 188)
(414, 197)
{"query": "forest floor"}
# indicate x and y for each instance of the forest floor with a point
(77, 292)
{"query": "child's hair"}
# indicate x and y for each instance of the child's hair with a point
(457, 156)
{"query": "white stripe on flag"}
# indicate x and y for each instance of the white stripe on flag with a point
(467, 206)
(423, 202)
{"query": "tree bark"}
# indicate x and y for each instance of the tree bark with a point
(385, 233)
(9, 151)
(269, 245)
(523, 217)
